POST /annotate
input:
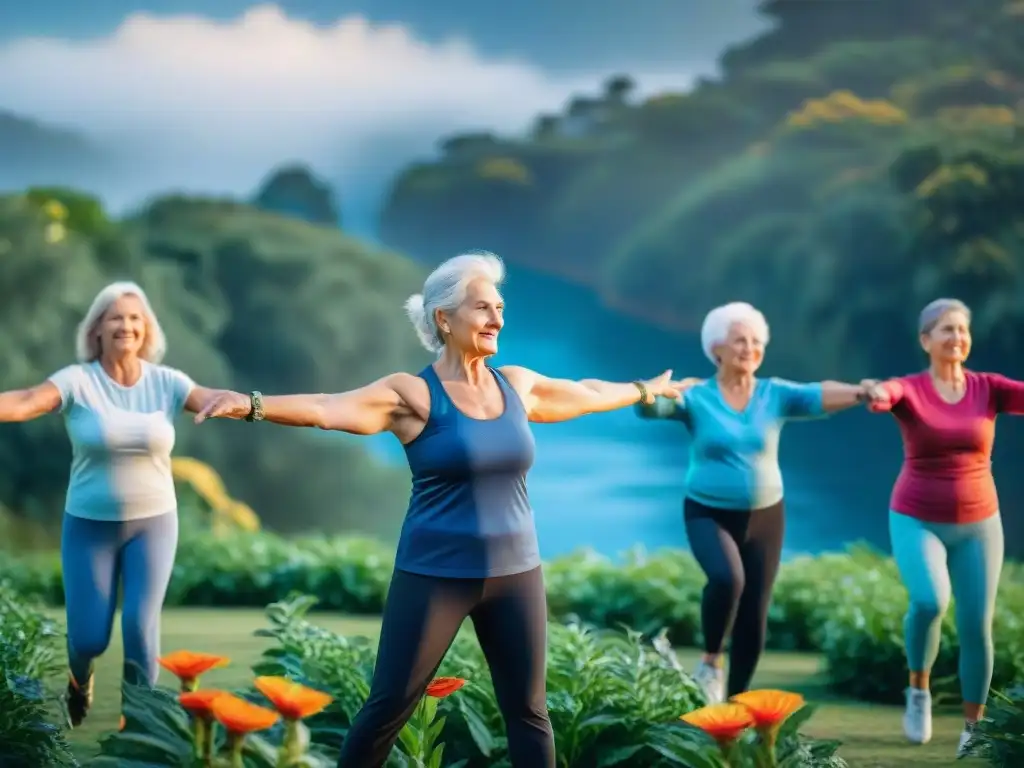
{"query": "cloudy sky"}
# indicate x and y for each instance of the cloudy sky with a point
(210, 95)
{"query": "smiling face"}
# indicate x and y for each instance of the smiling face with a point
(742, 351)
(949, 340)
(122, 329)
(474, 326)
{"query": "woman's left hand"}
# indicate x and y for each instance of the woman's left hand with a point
(685, 384)
(662, 386)
(226, 405)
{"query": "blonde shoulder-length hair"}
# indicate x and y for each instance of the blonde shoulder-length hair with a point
(87, 341)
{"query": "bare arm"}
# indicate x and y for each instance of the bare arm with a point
(553, 400)
(368, 410)
(27, 404)
(838, 396)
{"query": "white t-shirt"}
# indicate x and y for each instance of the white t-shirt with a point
(121, 440)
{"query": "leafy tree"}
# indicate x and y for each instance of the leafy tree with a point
(851, 145)
(618, 88)
(295, 191)
(249, 300)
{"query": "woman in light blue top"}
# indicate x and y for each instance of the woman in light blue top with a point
(734, 498)
(120, 518)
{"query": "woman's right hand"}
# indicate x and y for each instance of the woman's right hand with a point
(226, 405)
(876, 393)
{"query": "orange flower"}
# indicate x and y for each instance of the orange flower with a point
(188, 666)
(769, 708)
(239, 716)
(200, 703)
(292, 700)
(722, 722)
(440, 687)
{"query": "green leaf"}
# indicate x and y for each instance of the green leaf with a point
(618, 755)
(411, 739)
(434, 730)
(259, 752)
(479, 731)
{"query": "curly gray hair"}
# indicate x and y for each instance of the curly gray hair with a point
(719, 320)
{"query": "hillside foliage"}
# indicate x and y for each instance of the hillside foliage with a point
(249, 300)
(845, 168)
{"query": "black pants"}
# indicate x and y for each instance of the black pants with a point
(739, 551)
(421, 618)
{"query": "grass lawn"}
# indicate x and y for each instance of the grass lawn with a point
(871, 734)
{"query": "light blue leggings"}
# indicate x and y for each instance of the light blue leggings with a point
(97, 556)
(935, 560)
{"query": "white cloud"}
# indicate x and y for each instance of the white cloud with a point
(209, 105)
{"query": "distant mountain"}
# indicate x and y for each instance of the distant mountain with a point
(32, 153)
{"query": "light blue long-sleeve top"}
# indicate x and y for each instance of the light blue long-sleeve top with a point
(734, 455)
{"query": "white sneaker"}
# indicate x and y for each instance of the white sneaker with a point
(965, 742)
(917, 720)
(711, 680)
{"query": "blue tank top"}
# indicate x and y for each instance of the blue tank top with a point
(469, 515)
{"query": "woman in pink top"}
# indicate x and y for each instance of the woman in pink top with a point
(947, 535)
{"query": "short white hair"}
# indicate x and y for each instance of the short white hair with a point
(87, 343)
(445, 289)
(720, 320)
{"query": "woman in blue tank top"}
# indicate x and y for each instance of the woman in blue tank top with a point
(468, 547)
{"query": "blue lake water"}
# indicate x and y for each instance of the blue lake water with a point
(612, 481)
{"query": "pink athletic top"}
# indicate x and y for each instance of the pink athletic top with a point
(947, 447)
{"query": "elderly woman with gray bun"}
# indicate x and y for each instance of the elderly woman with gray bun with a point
(468, 547)
(734, 500)
(944, 521)
(120, 523)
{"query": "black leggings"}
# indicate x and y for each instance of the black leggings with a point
(421, 618)
(739, 551)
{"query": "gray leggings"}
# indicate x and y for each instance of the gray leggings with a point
(98, 556)
(937, 560)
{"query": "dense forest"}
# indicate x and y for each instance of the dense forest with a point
(249, 299)
(846, 167)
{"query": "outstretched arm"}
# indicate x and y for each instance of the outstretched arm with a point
(883, 396)
(369, 410)
(666, 407)
(838, 396)
(27, 404)
(805, 401)
(552, 400)
(1007, 393)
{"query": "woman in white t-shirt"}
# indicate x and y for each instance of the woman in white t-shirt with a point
(120, 519)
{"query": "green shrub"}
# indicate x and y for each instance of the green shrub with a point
(1000, 736)
(245, 570)
(847, 605)
(254, 569)
(646, 592)
(862, 639)
(31, 716)
(614, 700)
